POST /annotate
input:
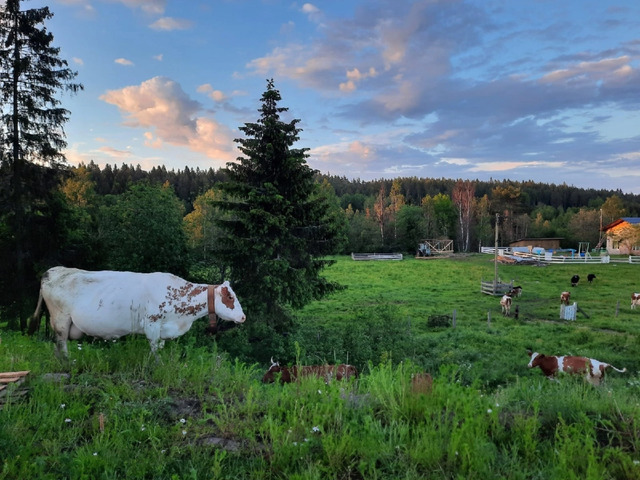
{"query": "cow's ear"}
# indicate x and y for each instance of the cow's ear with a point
(529, 352)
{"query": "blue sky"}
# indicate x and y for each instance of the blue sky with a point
(537, 90)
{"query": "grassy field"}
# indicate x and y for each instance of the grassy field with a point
(115, 412)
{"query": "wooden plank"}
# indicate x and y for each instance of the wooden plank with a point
(4, 375)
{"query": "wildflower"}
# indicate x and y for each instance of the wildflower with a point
(497, 404)
(295, 444)
(95, 454)
(636, 462)
(319, 392)
(306, 439)
(456, 452)
(489, 410)
(184, 432)
(142, 428)
(67, 420)
(163, 451)
(183, 421)
(62, 405)
(315, 429)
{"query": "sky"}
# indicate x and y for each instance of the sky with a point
(540, 90)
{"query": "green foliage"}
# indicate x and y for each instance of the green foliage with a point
(278, 222)
(142, 231)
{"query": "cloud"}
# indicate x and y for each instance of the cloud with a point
(77, 61)
(215, 95)
(169, 24)
(124, 62)
(158, 57)
(169, 115)
(155, 7)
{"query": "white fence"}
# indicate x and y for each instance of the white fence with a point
(549, 257)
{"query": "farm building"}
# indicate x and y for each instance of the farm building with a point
(550, 243)
(623, 236)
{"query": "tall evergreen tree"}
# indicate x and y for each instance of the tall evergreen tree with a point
(31, 117)
(279, 226)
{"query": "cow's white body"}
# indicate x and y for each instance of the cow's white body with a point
(110, 304)
(635, 300)
(505, 303)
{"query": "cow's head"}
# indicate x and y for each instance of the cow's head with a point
(227, 306)
(536, 358)
(275, 369)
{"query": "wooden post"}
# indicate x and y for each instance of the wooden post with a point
(453, 320)
(495, 259)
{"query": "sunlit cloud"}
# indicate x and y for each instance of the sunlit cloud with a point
(155, 7)
(506, 165)
(78, 61)
(169, 115)
(158, 57)
(124, 62)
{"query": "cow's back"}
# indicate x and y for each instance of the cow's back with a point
(106, 304)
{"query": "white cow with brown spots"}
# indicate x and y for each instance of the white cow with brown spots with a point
(110, 304)
(635, 300)
(593, 370)
(505, 303)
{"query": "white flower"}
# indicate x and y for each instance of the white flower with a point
(142, 428)
(79, 347)
(68, 420)
(295, 444)
(306, 439)
(456, 452)
(95, 454)
(184, 432)
(182, 420)
(320, 392)
(489, 410)
(315, 429)
(497, 404)
(62, 405)
(163, 451)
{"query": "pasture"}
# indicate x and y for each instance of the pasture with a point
(116, 412)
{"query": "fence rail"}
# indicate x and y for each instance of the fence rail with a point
(549, 258)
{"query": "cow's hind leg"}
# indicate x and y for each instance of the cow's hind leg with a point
(61, 325)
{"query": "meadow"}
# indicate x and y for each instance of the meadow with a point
(196, 412)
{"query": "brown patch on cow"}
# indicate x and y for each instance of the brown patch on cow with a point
(197, 291)
(227, 299)
(577, 365)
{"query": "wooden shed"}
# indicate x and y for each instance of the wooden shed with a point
(548, 243)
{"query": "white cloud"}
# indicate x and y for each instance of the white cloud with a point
(169, 24)
(124, 62)
(169, 115)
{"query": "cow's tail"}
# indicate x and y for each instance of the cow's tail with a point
(34, 323)
(618, 370)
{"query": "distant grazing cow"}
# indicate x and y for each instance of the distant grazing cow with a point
(593, 370)
(635, 300)
(505, 303)
(111, 304)
(516, 291)
(574, 280)
(421, 383)
(591, 277)
(326, 372)
(564, 298)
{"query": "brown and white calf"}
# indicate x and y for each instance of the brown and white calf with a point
(505, 303)
(516, 291)
(593, 370)
(564, 298)
(635, 300)
(326, 372)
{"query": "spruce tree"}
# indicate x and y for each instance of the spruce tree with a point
(279, 223)
(32, 135)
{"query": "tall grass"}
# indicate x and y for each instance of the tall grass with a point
(194, 412)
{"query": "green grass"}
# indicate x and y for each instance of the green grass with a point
(196, 413)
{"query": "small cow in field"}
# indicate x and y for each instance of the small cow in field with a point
(564, 298)
(591, 277)
(516, 291)
(593, 370)
(574, 280)
(110, 304)
(505, 303)
(421, 383)
(635, 300)
(326, 372)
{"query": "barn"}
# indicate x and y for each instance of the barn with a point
(623, 236)
(549, 243)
